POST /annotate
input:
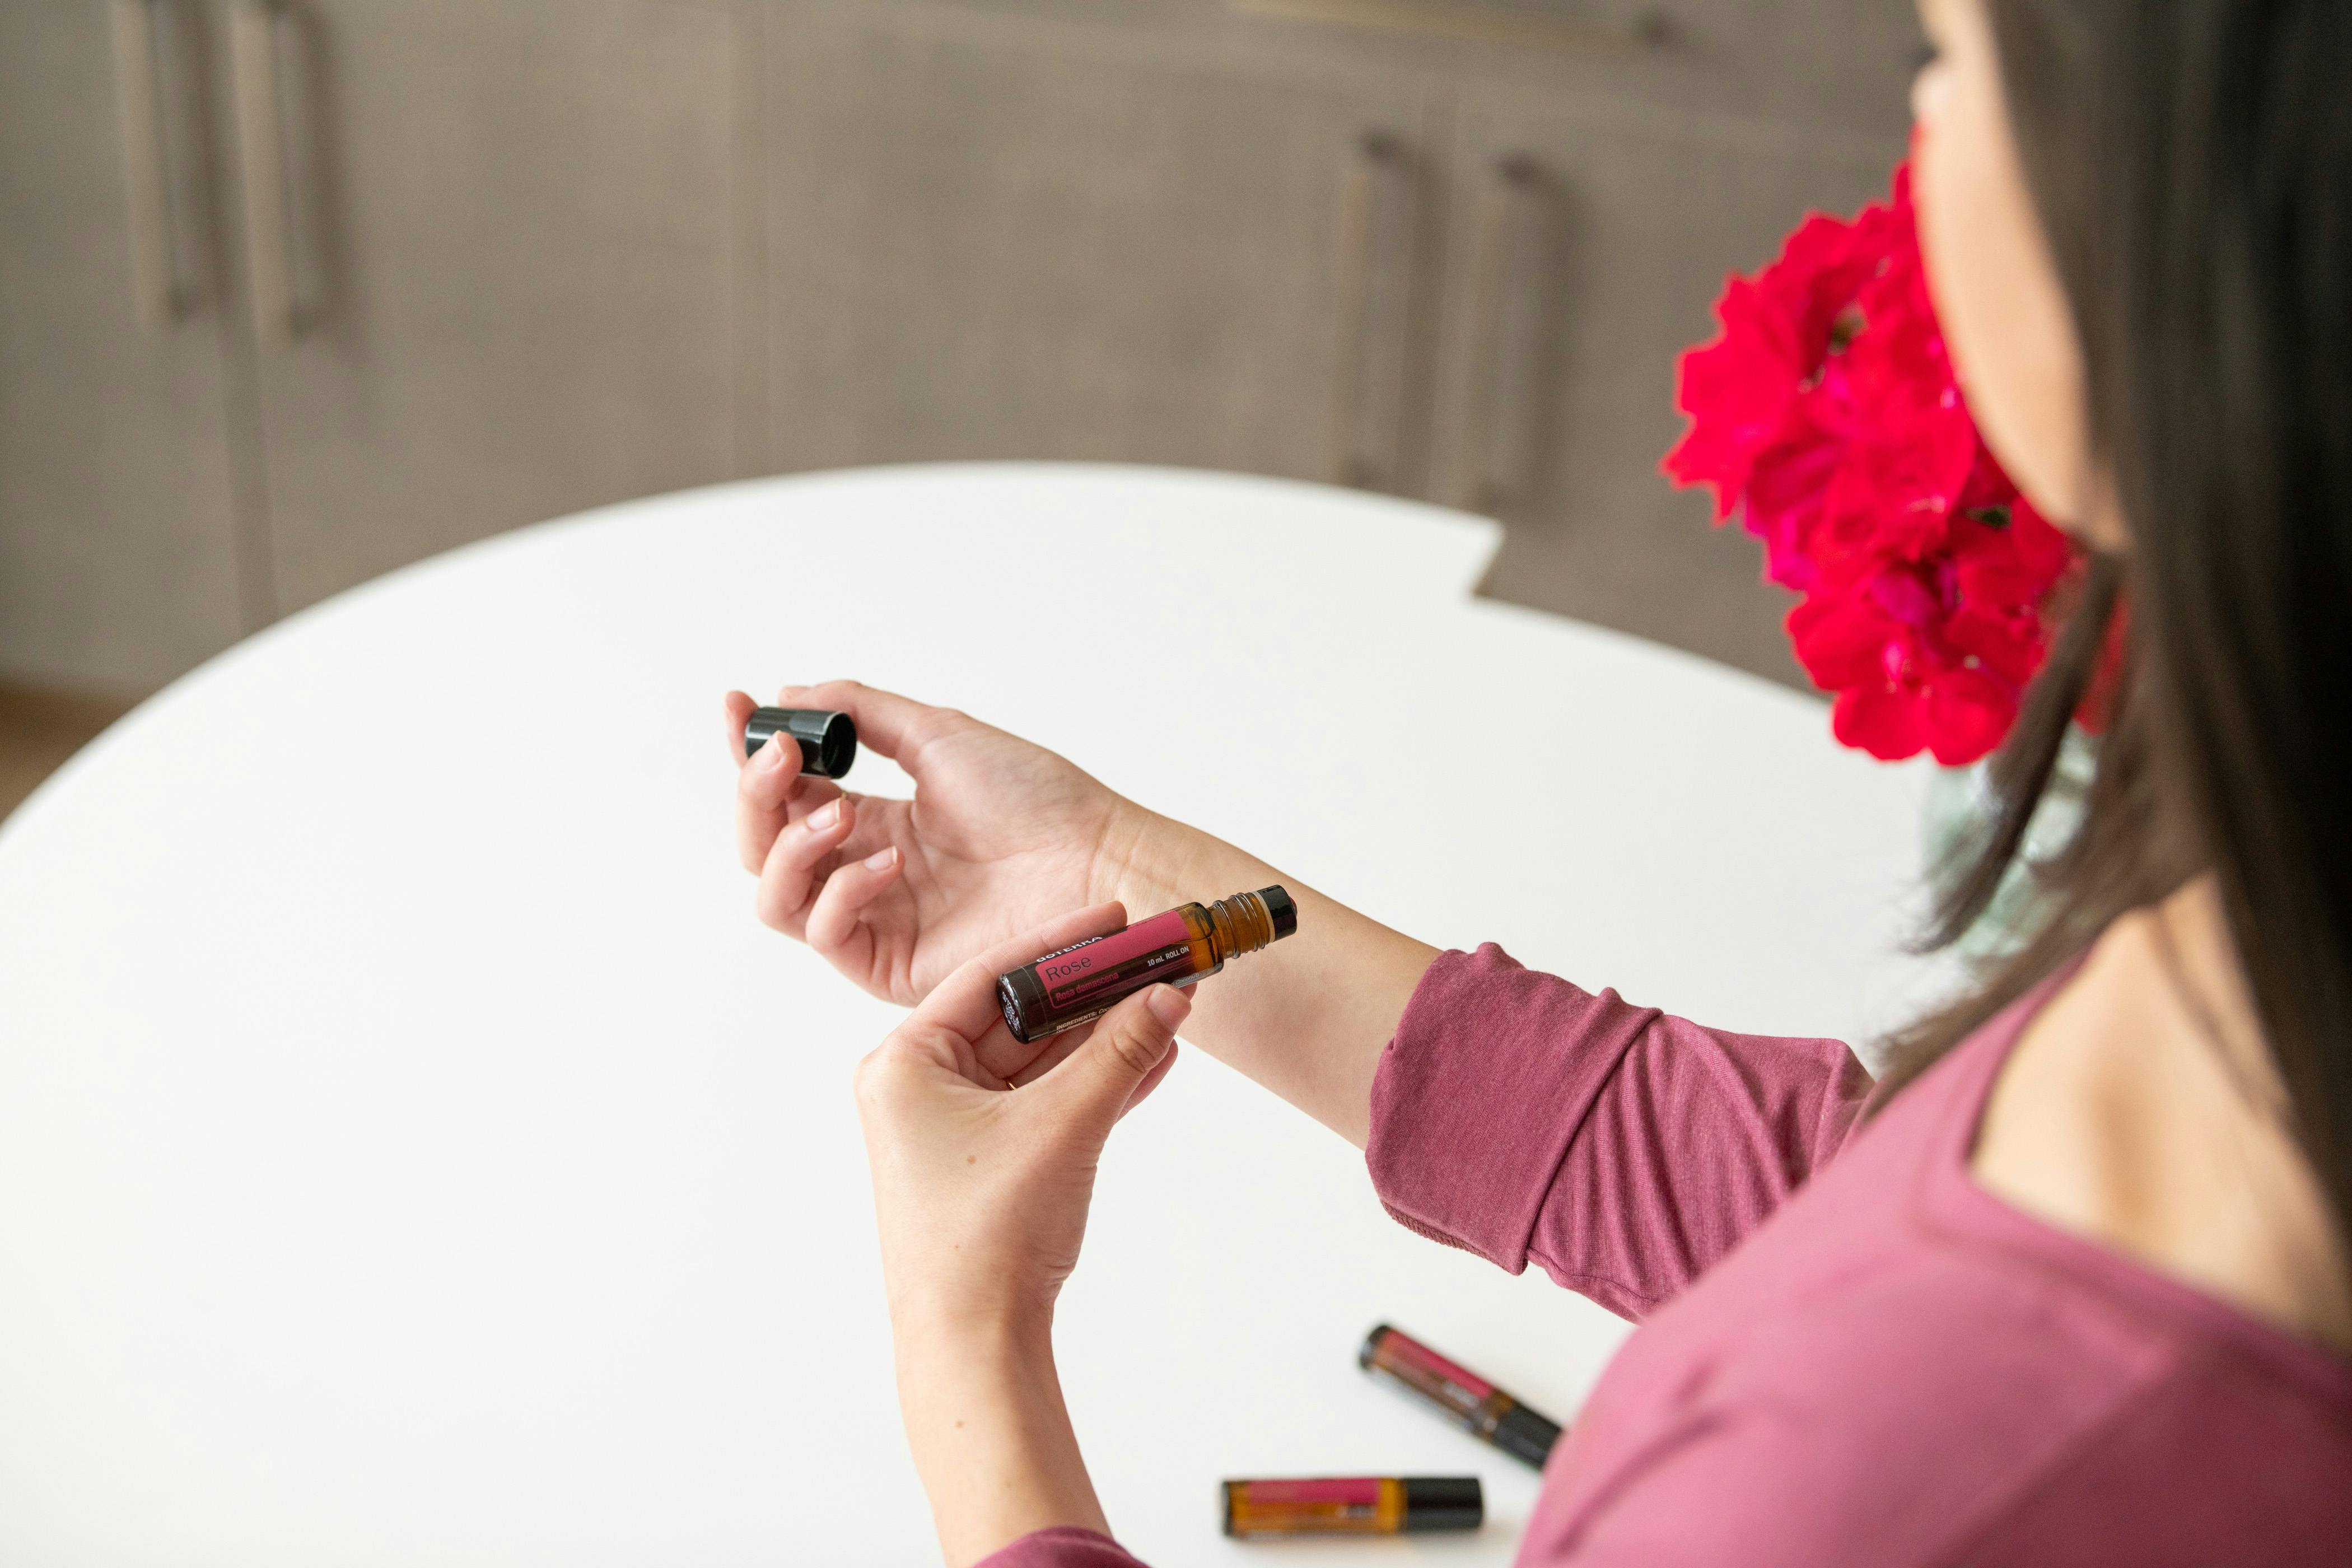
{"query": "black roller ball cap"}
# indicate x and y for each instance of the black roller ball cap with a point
(1524, 1434)
(1444, 1502)
(828, 740)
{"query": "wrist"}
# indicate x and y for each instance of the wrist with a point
(988, 1431)
(1149, 863)
(970, 1326)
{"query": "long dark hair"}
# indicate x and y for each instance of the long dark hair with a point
(2191, 165)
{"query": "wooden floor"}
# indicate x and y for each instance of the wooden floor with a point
(39, 729)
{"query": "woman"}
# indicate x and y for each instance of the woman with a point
(2072, 1283)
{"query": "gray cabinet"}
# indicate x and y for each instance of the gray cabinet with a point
(295, 291)
(1225, 236)
(119, 526)
(506, 258)
(992, 238)
(1592, 248)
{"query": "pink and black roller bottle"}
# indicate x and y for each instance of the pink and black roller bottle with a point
(1466, 1398)
(1190, 942)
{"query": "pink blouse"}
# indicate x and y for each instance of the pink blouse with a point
(1850, 1352)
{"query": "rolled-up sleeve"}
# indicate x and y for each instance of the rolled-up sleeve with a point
(1060, 1548)
(1620, 1149)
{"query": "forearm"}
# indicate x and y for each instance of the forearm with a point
(1639, 1147)
(1308, 1018)
(990, 1436)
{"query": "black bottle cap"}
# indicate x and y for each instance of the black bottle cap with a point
(1444, 1502)
(828, 740)
(1284, 911)
(1372, 1345)
(1524, 1434)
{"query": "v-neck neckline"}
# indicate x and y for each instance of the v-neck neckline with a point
(1953, 1197)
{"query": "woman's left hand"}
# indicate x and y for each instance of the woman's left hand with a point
(984, 1153)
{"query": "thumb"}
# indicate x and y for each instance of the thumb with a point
(1130, 1043)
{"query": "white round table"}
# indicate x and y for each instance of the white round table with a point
(413, 1151)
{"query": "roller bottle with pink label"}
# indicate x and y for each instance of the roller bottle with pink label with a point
(1354, 1505)
(1190, 942)
(1464, 1397)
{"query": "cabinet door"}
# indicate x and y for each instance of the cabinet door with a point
(999, 238)
(1591, 252)
(118, 540)
(489, 245)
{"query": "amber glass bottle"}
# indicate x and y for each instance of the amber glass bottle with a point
(1190, 942)
(1354, 1505)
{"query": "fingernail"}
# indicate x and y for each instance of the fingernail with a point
(826, 818)
(882, 859)
(1169, 1006)
(771, 749)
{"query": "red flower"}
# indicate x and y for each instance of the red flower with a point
(1828, 417)
(1898, 691)
(1785, 491)
(1779, 332)
(1744, 380)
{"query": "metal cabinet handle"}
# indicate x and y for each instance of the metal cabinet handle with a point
(157, 293)
(261, 147)
(1511, 212)
(1651, 28)
(1378, 156)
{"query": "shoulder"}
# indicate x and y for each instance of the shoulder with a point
(2140, 1114)
(1933, 1412)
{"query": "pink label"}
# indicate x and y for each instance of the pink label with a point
(1413, 1353)
(1065, 974)
(1358, 1491)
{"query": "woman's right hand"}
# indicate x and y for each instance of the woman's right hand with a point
(1002, 837)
